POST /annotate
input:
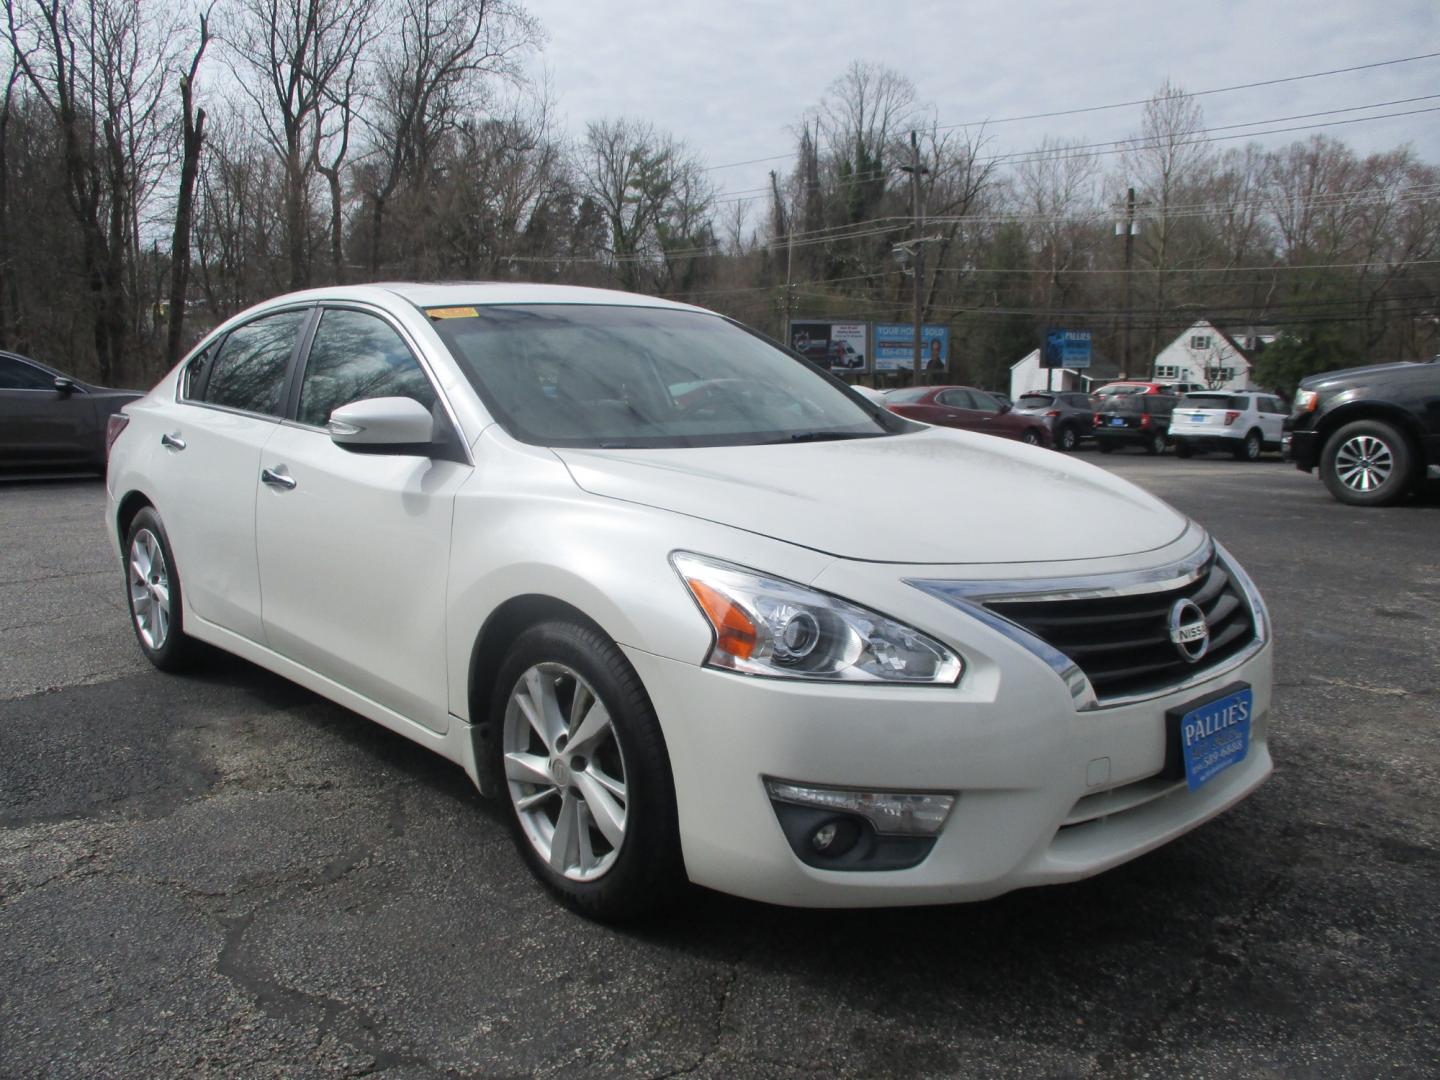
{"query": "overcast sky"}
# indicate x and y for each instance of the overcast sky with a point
(733, 77)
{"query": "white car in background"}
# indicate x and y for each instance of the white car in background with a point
(688, 607)
(1240, 423)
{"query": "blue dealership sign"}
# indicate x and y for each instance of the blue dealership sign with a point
(895, 347)
(1066, 348)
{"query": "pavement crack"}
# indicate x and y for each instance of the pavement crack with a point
(346, 1021)
(723, 993)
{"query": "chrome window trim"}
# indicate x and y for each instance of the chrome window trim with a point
(970, 597)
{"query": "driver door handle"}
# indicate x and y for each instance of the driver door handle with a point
(276, 478)
(174, 442)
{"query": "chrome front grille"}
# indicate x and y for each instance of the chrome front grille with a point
(1122, 643)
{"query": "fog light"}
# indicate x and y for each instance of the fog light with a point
(888, 813)
(824, 836)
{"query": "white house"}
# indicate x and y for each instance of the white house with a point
(1204, 356)
(1026, 374)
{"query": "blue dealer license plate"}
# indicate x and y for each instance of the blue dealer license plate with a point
(1117, 421)
(1214, 734)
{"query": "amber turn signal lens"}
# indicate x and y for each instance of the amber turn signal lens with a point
(734, 632)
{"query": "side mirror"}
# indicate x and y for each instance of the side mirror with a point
(63, 386)
(1005, 408)
(395, 425)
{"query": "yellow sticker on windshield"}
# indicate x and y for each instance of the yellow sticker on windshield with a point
(452, 313)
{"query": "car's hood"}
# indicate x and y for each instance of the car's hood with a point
(932, 496)
(1330, 380)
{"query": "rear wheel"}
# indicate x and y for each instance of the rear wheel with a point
(1366, 463)
(1249, 450)
(587, 777)
(1155, 444)
(153, 592)
(1066, 439)
(1030, 437)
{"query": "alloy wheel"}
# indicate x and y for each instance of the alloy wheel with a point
(1364, 463)
(565, 771)
(149, 589)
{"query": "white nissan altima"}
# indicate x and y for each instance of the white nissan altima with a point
(689, 606)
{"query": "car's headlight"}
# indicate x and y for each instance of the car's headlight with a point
(1306, 400)
(767, 626)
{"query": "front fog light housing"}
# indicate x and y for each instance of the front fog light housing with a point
(888, 813)
(845, 829)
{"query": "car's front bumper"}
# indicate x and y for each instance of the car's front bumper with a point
(1046, 791)
(1303, 448)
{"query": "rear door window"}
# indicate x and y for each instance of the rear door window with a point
(250, 371)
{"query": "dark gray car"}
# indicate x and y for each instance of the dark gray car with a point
(49, 421)
(1069, 414)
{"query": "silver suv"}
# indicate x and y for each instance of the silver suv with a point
(1067, 413)
(1242, 423)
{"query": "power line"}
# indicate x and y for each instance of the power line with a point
(1123, 104)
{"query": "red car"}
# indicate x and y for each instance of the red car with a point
(968, 408)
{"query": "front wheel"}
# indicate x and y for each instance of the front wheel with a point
(1030, 437)
(1366, 463)
(153, 593)
(587, 776)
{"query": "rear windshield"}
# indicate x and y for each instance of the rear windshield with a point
(615, 377)
(1034, 401)
(1214, 401)
(1123, 403)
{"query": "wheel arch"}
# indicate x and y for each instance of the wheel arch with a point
(129, 506)
(487, 653)
(1393, 415)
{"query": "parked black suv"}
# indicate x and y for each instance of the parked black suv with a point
(1133, 419)
(1374, 432)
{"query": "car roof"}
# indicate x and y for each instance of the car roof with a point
(478, 293)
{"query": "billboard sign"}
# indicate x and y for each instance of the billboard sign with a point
(895, 347)
(1066, 349)
(835, 346)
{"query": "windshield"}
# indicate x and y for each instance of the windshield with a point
(613, 377)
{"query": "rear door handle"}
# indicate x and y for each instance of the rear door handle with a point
(174, 442)
(276, 478)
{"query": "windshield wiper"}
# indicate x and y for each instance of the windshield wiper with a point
(830, 436)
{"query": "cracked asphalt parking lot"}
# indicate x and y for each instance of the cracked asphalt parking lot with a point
(224, 875)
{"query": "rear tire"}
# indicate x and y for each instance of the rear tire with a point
(1066, 439)
(1030, 437)
(590, 800)
(1367, 463)
(1155, 444)
(153, 594)
(1249, 450)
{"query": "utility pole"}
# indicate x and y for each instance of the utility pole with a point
(916, 170)
(783, 219)
(1129, 227)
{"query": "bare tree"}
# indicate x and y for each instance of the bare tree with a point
(300, 52)
(192, 137)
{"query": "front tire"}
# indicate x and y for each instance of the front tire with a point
(1367, 463)
(153, 593)
(591, 802)
(1030, 437)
